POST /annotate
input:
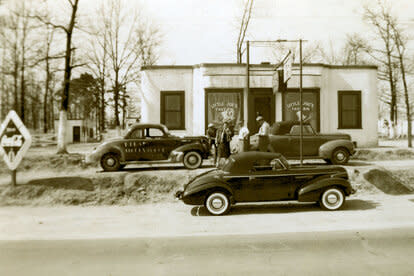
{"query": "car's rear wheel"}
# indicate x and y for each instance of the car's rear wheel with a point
(110, 162)
(340, 156)
(217, 203)
(192, 160)
(332, 199)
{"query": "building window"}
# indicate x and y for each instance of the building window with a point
(349, 109)
(310, 107)
(224, 105)
(172, 109)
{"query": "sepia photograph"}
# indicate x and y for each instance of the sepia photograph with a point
(206, 137)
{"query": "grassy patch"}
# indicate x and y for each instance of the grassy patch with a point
(378, 155)
(53, 162)
(98, 189)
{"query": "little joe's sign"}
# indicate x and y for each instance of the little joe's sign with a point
(15, 140)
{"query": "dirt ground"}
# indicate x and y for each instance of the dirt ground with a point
(47, 179)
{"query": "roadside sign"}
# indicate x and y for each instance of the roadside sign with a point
(287, 68)
(15, 140)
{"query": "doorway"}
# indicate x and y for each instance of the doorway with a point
(263, 104)
(76, 134)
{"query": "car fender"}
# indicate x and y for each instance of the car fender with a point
(193, 147)
(115, 149)
(311, 191)
(326, 149)
(208, 186)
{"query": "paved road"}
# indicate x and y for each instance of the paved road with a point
(368, 252)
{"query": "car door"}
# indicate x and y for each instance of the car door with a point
(272, 183)
(311, 142)
(153, 147)
(133, 145)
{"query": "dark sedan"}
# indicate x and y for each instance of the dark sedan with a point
(335, 148)
(264, 176)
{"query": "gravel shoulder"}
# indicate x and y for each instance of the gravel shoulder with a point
(176, 219)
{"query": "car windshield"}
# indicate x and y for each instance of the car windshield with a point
(167, 133)
(284, 162)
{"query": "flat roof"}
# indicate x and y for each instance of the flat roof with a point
(265, 65)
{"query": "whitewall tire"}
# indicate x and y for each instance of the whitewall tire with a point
(217, 203)
(192, 160)
(332, 199)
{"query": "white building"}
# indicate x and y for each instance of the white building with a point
(335, 98)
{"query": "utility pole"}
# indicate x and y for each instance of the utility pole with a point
(300, 103)
(300, 81)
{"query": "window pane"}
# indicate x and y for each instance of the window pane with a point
(173, 119)
(350, 109)
(172, 102)
(155, 132)
(222, 107)
(309, 106)
(172, 109)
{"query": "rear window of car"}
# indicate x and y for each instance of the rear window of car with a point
(307, 130)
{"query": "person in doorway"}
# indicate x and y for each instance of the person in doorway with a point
(211, 135)
(223, 138)
(263, 133)
(243, 137)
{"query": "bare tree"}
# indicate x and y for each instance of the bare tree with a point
(379, 19)
(247, 13)
(129, 43)
(68, 29)
(354, 50)
(401, 45)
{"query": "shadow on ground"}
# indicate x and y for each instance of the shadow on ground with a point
(284, 208)
(157, 168)
(66, 183)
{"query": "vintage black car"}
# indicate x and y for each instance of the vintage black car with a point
(264, 176)
(284, 138)
(150, 143)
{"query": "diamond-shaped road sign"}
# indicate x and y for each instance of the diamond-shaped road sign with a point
(15, 140)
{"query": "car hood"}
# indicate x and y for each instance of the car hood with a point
(325, 169)
(336, 135)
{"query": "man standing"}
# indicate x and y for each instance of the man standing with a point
(223, 139)
(263, 133)
(243, 137)
(211, 135)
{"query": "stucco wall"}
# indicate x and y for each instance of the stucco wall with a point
(169, 79)
(330, 80)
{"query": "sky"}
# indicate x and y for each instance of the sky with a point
(197, 31)
(201, 31)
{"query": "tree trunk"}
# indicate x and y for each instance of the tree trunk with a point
(61, 141)
(64, 107)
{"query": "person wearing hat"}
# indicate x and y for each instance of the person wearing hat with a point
(263, 133)
(211, 135)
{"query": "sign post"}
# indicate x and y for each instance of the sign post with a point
(15, 140)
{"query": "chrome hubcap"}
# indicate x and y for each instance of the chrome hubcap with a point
(332, 199)
(192, 159)
(110, 161)
(217, 203)
(340, 156)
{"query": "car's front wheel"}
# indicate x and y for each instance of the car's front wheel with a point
(217, 203)
(332, 199)
(192, 160)
(110, 162)
(340, 156)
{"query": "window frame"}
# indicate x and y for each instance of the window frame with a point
(163, 110)
(357, 93)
